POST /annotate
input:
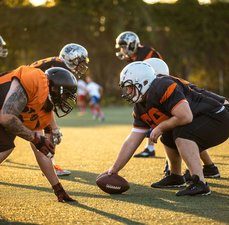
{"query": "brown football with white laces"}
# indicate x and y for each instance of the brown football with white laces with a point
(112, 184)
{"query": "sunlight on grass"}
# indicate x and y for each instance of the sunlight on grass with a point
(26, 196)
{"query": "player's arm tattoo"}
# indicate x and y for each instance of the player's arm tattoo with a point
(11, 109)
(16, 102)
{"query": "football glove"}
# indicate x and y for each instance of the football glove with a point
(60, 193)
(57, 136)
(43, 145)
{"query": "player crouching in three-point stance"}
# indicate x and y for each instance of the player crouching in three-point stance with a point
(28, 97)
(188, 123)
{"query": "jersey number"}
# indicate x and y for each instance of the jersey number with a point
(154, 117)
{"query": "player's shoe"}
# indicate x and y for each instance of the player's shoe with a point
(196, 187)
(145, 154)
(187, 176)
(209, 171)
(170, 181)
(60, 172)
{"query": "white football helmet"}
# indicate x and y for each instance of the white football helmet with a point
(135, 80)
(159, 66)
(75, 57)
(3, 51)
(127, 42)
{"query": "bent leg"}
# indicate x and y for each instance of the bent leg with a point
(174, 160)
(205, 157)
(189, 152)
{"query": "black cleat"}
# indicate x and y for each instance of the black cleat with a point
(187, 176)
(211, 171)
(145, 154)
(196, 187)
(170, 181)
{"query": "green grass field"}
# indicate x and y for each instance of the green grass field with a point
(89, 148)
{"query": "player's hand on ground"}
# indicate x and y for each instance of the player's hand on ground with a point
(61, 195)
(43, 145)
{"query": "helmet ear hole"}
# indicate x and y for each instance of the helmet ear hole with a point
(145, 82)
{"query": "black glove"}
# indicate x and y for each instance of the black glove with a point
(62, 196)
(43, 145)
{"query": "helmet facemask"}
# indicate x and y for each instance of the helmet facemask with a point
(135, 80)
(62, 100)
(78, 65)
(131, 92)
(76, 58)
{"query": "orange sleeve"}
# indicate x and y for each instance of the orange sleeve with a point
(168, 92)
(35, 83)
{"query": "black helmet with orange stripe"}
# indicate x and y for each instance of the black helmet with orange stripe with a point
(127, 42)
(62, 90)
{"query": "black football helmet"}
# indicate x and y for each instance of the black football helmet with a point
(3, 51)
(62, 90)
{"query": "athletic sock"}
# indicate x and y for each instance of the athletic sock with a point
(151, 148)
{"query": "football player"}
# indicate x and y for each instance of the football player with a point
(130, 50)
(74, 58)
(187, 121)
(95, 92)
(209, 168)
(28, 98)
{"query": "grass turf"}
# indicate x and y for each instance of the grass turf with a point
(89, 148)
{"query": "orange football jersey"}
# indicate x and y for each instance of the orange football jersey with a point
(35, 84)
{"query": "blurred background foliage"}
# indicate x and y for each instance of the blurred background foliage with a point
(192, 38)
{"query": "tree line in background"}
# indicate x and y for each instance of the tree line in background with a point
(192, 38)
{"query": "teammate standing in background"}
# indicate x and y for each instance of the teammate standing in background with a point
(131, 50)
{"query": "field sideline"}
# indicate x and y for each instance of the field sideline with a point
(89, 148)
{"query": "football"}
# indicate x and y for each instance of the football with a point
(112, 184)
